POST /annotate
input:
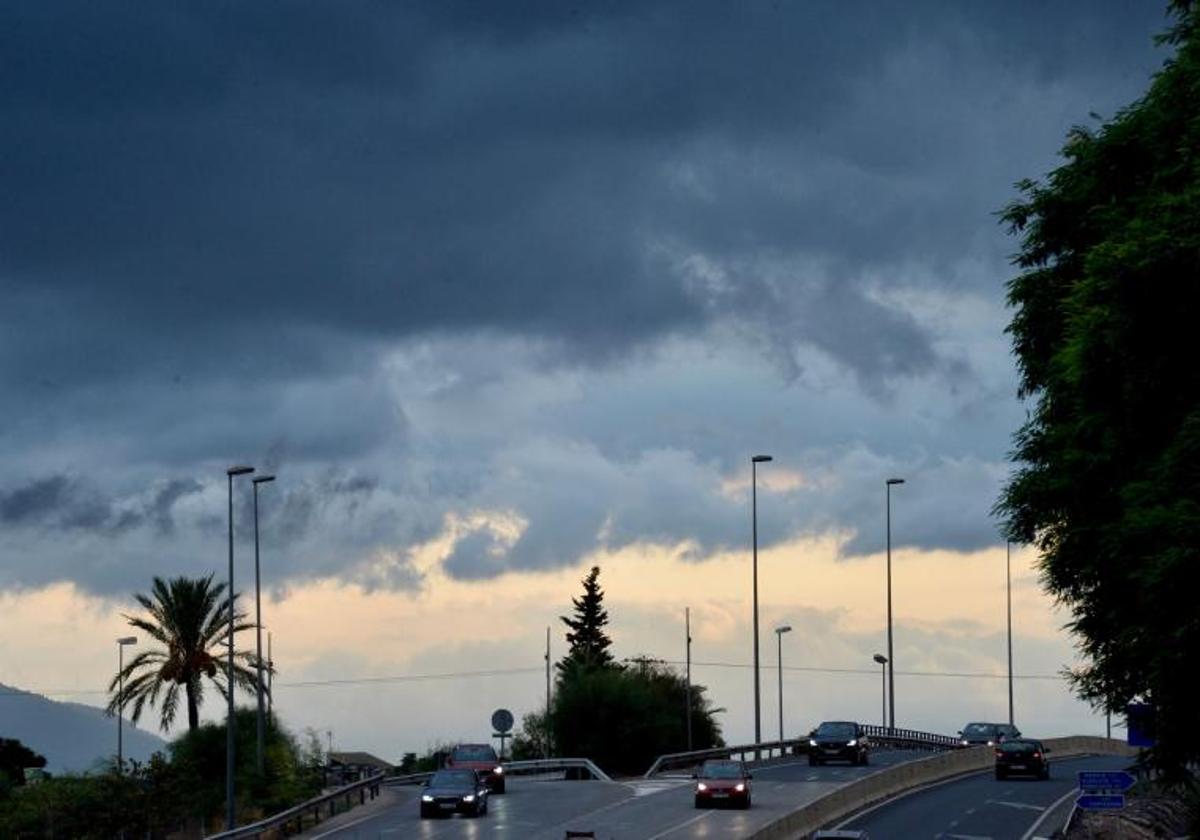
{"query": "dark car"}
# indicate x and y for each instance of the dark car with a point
(1022, 756)
(723, 782)
(837, 740)
(452, 792)
(481, 758)
(987, 734)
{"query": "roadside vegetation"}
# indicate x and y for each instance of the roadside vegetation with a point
(622, 716)
(181, 792)
(1107, 485)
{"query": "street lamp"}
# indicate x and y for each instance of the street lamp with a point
(883, 661)
(687, 632)
(891, 654)
(1008, 575)
(754, 462)
(261, 729)
(779, 631)
(230, 742)
(121, 642)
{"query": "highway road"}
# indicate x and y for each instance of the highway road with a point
(979, 806)
(659, 809)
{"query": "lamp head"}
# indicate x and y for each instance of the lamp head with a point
(895, 481)
(758, 459)
(127, 640)
(787, 628)
(881, 659)
(238, 470)
(262, 479)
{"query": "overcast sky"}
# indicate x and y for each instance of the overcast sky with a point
(501, 290)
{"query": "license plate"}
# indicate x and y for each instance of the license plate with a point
(719, 795)
(1016, 767)
(447, 806)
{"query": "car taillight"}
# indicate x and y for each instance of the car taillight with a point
(998, 753)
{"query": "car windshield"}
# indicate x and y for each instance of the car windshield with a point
(836, 730)
(480, 753)
(1018, 746)
(453, 778)
(721, 770)
(980, 729)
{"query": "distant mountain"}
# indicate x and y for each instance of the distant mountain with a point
(72, 736)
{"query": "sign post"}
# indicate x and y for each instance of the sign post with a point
(502, 722)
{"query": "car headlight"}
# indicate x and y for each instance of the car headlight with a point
(963, 742)
(740, 787)
(812, 742)
(701, 786)
(425, 797)
(991, 743)
(470, 797)
(853, 742)
(499, 771)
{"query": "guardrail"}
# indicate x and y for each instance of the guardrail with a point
(518, 768)
(902, 738)
(326, 802)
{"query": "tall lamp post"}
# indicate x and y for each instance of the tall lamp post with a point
(687, 698)
(891, 654)
(121, 643)
(262, 726)
(230, 741)
(754, 462)
(1008, 575)
(882, 661)
(779, 631)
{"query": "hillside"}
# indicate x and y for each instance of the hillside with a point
(72, 736)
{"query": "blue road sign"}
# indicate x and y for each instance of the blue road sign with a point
(1107, 781)
(1101, 801)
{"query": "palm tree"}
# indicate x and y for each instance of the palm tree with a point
(190, 618)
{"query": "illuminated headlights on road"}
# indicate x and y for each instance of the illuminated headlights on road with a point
(470, 797)
(425, 797)
(852, 743)
(499, 771)
(812, 742)
(701, 786)
(740, 787)
(963, 742)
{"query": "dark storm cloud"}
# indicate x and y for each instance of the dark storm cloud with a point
(224, 222)
(69, 503)
(179, 173)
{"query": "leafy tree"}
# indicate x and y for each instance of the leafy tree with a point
(14, 758)
(1108, 480)
(533, 739)
(623, 718)
(588, 640)
(189, 618)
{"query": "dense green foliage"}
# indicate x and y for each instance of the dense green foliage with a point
(190, 619)
(623, 718)
(164, 796)
(588, 640)
(620, 717)
(14, 758)
(1108, 481)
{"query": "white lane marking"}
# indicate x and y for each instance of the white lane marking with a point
(1028, 835)
(683, 824)
(906, 794)
(967, 836)
(970, 810)
(1008, 804)
(648, 788)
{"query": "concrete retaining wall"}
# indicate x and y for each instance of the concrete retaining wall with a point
(892, 781)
